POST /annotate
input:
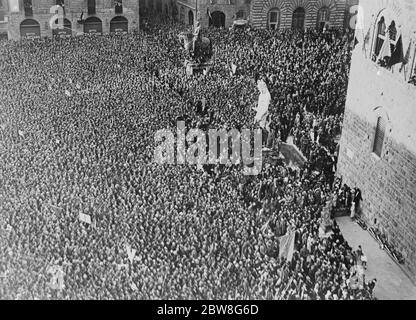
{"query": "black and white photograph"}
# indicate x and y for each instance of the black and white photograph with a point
(225, 152)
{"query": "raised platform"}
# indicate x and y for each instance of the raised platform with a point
(292, 155)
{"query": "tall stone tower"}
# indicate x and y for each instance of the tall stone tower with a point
(378, 143)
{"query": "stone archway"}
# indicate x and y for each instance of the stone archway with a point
(65, 31)
(298, 18)
(119, 24)
(93, 25)
(218, 19)
(30, 28)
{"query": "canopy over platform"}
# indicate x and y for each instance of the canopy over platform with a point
(241, 23)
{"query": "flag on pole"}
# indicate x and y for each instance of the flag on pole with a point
(85, 218)
(398, 55)
(287, 244)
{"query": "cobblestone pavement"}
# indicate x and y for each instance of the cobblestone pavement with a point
(392, 282)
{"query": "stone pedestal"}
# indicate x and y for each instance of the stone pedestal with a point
(193, 68)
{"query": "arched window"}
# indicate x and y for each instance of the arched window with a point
(191, 18)
(93, 25)
(384, 33)
(379, 136)
(298, 19)
(323, 18)
(381, 33)
(30, 28)
(119, 24)
(273, 19)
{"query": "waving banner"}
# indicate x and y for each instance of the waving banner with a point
(287, 243)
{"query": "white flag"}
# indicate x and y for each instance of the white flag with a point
(130, 253)
(233, 68)
(286, 247)
(85, 218)
(67, 93)
(134, 287)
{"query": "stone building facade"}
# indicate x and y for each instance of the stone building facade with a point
(297, 13)
(43, 18)
(265, 13)
(4, 9)
(378, 142)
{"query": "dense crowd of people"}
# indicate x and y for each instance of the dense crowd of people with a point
(77, 136)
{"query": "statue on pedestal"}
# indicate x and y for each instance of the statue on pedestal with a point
(199, 49)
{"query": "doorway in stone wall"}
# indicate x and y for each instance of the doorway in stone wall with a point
(218, 19)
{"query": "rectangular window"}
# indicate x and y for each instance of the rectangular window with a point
(27, 5)
(241, 14)
(118, 5)
(91, 6)
(379, 136)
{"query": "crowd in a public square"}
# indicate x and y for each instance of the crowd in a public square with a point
(78, 118)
